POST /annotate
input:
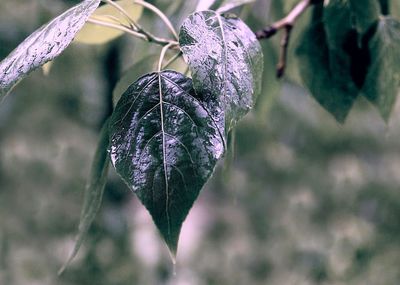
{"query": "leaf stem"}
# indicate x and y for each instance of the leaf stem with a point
(285, 24)
(139, 34)
(172, 59)
(122, 11)
(162, 55)
(160, 14)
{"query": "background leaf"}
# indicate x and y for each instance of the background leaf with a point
(325, 72)
(225, 59)
(383, 79)
(165, 145)
(43, 45)
(365, 12)
(94, 192)
(95, 34)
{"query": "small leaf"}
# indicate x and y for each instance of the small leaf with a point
(383, 79)
(43, 45)
(165, 145)
(225, 59)
(325, 72)
(94, 192)
(366, 13)
(95, 34)
(231, 4)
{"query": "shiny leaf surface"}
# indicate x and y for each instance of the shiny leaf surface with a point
(95, 34)
(94, 192)
(165, 145)
(225, 59)
(383, 79)
(44, 45)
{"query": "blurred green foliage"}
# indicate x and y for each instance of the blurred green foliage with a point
(305, 201)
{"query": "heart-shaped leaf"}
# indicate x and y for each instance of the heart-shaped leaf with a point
(225, 59)
(383, 79)
(43, 45)
(165, 144)
(325, 71)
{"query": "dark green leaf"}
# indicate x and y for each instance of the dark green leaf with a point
(225, 59)
(94, 191)
(383, 79)
(338, 22)
(43, 45)
(165, 145)
(365, 12)
(326, 72)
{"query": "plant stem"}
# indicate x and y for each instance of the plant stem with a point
(160, 14)
(172, 59)
(139, 34)
(162, 55)
(285, 24)
(122, 11)
(125, 29)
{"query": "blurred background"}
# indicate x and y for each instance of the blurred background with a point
(301, 199)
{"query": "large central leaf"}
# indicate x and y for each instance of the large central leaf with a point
(165, 145)
(225, 59)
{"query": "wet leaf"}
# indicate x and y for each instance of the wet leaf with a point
(383, 80)
(325, 72)
(43, 45)
(95, 34)
(94, 192)
(165, 145)
(225, 59)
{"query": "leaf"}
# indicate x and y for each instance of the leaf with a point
(337, 19)
(383, 79)
(230, 4)
(325, 72)
(43, 45)
(165, 145)
(95, 34)
(225, 59)
(94, 192)
(365, 12)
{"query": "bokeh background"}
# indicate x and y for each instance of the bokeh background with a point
(300, 200)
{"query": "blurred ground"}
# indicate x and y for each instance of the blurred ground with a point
(305, 201)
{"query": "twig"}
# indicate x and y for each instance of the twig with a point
(286, 24)
(139, 34)
(160, 14)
